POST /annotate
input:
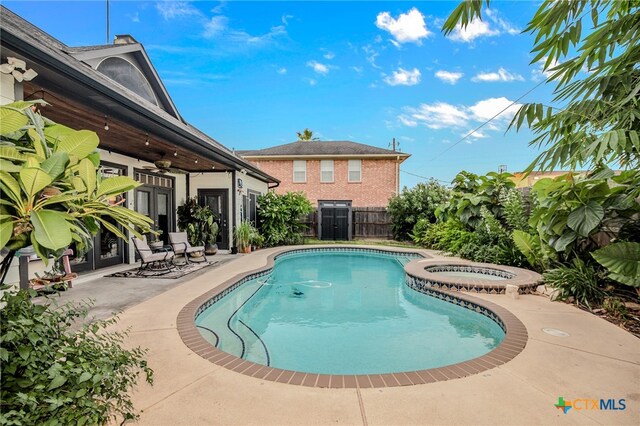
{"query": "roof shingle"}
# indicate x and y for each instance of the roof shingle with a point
(311, 148)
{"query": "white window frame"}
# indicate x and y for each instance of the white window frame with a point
(326, 166)
(353, 167)
(299, 166)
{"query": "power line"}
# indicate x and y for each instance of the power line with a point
(425, 178)
(489, 120)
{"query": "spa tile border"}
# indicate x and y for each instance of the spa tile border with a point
(426, 271)
(514, 342)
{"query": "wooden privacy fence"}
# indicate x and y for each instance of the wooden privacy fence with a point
(367, 222)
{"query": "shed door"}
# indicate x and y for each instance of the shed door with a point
(335, 223)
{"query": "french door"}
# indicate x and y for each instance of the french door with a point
(157, 204)
(218, 201)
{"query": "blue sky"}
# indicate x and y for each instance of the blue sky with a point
(251, 74)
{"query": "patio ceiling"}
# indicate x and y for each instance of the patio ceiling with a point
(122, 137)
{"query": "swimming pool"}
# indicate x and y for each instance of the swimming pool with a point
(344, 312)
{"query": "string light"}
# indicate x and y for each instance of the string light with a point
(196, 161)
(106, 123)
(146, 142)
(175, 154)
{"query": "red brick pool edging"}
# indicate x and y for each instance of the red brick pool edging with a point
(514, 342)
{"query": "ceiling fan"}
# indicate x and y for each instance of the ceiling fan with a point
(164, 166)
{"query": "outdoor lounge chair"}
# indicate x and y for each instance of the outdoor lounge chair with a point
(159, 262)
(181, 246)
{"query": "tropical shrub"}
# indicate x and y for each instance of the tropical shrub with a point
(622, 261)
(578, 281)
(412, 205)
(572, 209)
(280, 216)
(51, 192)
(55, 372)
(471, 193)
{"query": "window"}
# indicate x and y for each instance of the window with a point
(355, 170)
(326, 171)
(299, 171)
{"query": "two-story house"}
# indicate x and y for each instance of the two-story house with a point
(336, 176)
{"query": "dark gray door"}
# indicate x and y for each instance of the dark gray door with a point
(218, 201)
(335, 223)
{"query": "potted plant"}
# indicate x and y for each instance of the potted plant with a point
(200, 224)
(243, 234)
(257, 240)
(209, 233)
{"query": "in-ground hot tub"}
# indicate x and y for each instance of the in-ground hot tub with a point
(468, 276)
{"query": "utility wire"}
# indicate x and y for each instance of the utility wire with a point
(426, 178)
(489, 120)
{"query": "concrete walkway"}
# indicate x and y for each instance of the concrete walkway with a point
(597, 360)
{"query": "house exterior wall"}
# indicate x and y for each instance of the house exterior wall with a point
(379, 181)
(7, 90)
(224, 181)
(131, 164)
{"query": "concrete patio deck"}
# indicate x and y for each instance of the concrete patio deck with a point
(596, 361)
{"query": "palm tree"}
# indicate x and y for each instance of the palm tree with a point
(306, 135)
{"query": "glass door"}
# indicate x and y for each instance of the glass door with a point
(218, 201)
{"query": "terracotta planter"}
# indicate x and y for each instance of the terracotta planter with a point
(245, 249)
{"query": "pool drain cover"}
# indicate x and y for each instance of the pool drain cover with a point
(555, 332)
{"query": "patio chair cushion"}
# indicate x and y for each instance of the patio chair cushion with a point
(180, 243)
(147, 255)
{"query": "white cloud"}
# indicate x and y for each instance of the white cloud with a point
(285, 19)
(476, 28)
(507, 27)
(441, 115)
(435, 116)
(403, 77)
(539, 73)
(282, 71)
(329, 55)
(357, 69)
(176, 9)
(448, 76)
(311, 81)
(371, 55)
(500, 75)
(215, 26)
(476, 135)
(408, 28)
(319, 67)
(407, 121)
(407, 139)
(486, 109)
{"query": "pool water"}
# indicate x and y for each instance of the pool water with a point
(479, 275)
(344, 313)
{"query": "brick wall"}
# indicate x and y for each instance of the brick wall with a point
(377, 185)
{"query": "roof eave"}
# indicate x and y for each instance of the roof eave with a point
(398, 155)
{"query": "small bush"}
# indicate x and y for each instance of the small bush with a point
(280, 217)
(411, 205)
(56, 373)
(579, 281)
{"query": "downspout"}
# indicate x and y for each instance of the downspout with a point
(234, 248)
(277, 184)
(397, 175)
